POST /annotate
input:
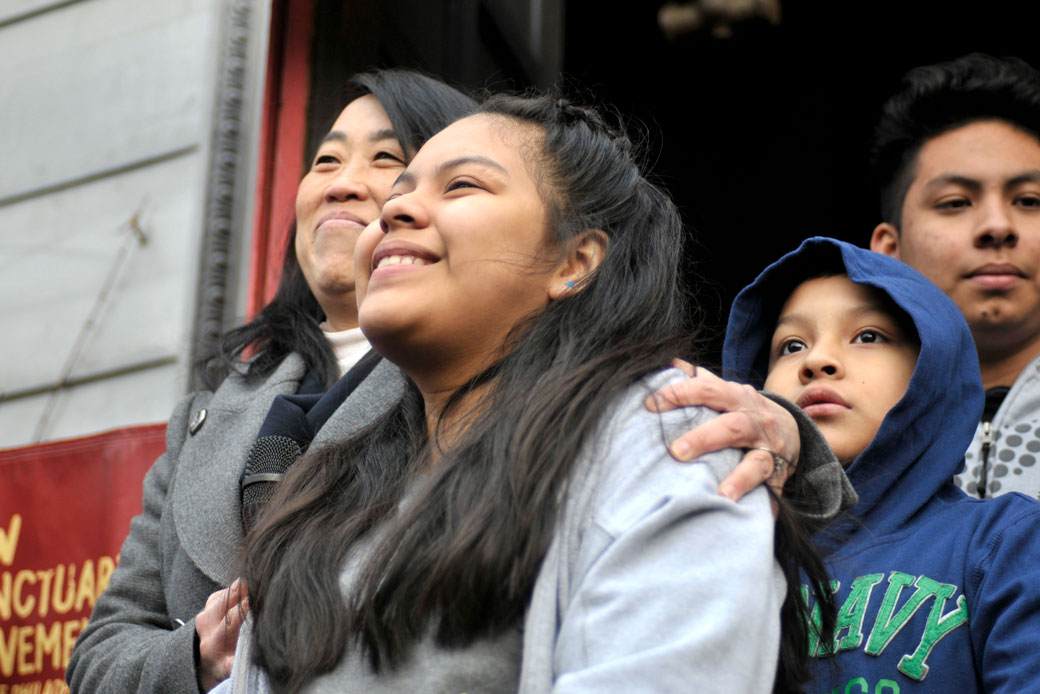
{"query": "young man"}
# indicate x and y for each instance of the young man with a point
(937, 591)
(957, 154)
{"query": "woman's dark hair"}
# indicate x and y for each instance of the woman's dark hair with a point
(934, 99)
(418, 107)
(458, 549)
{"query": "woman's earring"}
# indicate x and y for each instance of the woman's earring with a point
(571, 285)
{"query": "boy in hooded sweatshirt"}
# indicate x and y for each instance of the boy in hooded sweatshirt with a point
(937, 591)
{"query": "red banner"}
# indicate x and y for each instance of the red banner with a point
(65, 509)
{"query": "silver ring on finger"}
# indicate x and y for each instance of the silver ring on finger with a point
(778, 460)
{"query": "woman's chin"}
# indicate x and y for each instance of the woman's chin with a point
(381, 316)
(390, 339)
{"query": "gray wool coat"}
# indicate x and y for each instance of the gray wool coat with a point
(180, 549)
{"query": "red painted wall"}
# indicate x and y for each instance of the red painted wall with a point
(282, 140)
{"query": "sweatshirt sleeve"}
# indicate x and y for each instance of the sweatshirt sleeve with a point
(820, 489)
(674, 588)
(1004, 608)
(131, 644)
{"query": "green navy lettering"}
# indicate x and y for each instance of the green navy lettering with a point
(859, 685)
(854, 611)
(897, 607)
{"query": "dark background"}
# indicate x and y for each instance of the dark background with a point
(762, 138)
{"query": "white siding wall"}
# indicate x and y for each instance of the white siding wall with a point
(105, 115)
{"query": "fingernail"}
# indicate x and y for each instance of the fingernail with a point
(728, 492)
(681, 450)
(651, 403)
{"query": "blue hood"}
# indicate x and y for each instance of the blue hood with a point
(921, 442)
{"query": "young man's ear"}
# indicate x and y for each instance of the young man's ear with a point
(582, 256)
(885, 240)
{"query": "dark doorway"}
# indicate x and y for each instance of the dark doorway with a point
(762, 137)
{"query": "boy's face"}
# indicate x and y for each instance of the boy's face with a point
(971, 224)
(838, 353)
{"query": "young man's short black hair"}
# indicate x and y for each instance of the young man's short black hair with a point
(935, 99)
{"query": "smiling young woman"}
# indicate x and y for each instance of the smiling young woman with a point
(165, 623)
(515, 520)
(471, 212)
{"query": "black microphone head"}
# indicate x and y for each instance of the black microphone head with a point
(266, 463)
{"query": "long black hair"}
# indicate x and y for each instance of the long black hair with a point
(418, 107)
(460, 552)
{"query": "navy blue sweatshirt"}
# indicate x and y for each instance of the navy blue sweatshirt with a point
(937, 591)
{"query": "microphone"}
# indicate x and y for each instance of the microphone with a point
(266, 464)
